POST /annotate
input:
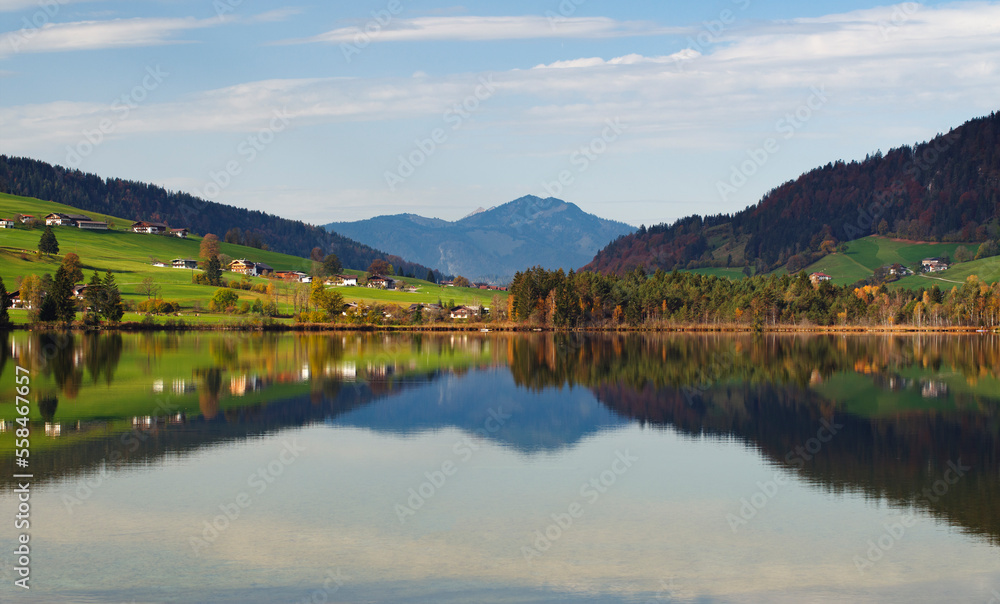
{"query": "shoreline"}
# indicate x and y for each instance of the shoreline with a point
(136, 327)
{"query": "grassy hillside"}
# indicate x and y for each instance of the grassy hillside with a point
(865, 255)
(128, 255)
(987, 269)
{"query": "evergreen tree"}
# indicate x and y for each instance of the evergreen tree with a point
(48, 244)
(213, 272)
(331, 265)
(47, 310)
(110, 306)
(4, 303)
(62, 293)
(430, 276)
(93, 295)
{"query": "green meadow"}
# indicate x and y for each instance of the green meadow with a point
(865, 255)
(130, 255)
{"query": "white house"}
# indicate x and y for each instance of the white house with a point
(6, 223)
(92, 225)
(347, 280)
(149, 228)
(934, 265)
(184, 263)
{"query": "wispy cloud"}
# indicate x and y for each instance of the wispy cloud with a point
(472, 28)
(686, 99)
(94, 35)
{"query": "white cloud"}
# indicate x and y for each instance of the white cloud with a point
(471, 28)
(93, 35)
(865, 60)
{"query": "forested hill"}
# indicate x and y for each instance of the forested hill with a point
(947, 189)
(141, 201)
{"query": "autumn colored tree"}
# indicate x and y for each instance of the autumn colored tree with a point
(71, 262)
(209, 247)
(379, 267)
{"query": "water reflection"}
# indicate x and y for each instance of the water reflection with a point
(908, 406)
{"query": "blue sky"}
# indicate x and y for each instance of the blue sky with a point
(641, 112)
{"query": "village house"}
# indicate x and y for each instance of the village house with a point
(26, 218)
(15, 299)
(184, 263)
(182, 233)
(380, 282)
(934, 265)
(446, 283)
(79, 290)
(60, 219)
(92, 225)
(345, 280)
(817, 278)
(149, 228)
(6, 223)
(460, 312)
(289, 275)
(249, 267)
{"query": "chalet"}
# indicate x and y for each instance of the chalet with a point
(158, 263)
(897, 269)
(380, 282)
(184, 263)
(79, 290)
(182, 233)
(346, 280)
(26, 218)
(460, 312)
(92, 225)
(149, 228)
(60, 219)
(446, 283)
(934, 265)
(6, 223)
(249, 267)
(305, 279)
(15, 299)
(289, 275)
(817, 278)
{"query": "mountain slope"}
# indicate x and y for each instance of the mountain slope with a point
(140, 201)
(491, 245)
(947, 189)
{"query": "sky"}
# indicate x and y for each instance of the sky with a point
(642, 112)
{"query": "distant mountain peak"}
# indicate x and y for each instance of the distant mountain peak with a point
(478, 210)
(493, 244)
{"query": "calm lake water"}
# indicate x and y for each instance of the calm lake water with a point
(230, 468)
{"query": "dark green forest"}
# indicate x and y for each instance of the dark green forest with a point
(947, 189)
(141, 201)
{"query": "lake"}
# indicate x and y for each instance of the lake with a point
(483, 467)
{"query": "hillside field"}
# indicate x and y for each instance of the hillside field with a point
(128, 255)
(865, 255)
